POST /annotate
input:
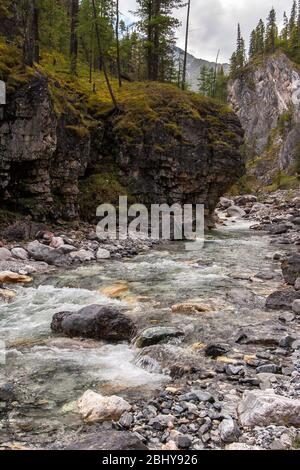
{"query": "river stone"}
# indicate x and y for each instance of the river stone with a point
(296, 306)
(241, 446)
(82, 255)
(157, 334)
(19, 253)
(245, 199)
(291, 268)
(278, 229)
(282, 299)
(215, 350)
(40, 252)
(8, 277)
(268, 369)
(96, 408)
(57, 242)
(297, 283)
(265, 408)
(102, 254)
(161, 422)
(235, 211)
(5, 254)
(7, 295)
(229, 430)
(109, 439)
(96, 322)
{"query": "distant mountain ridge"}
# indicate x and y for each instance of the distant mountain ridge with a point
(194, 66)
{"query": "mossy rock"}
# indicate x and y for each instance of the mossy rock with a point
(99, 189)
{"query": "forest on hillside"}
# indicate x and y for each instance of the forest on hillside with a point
(268, 37)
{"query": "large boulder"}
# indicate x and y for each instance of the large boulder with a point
(40, 252)
(282, 299)
(291, 268)
(95, 321)
(96, 408)
(265, 408)
(8, 277)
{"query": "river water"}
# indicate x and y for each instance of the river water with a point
(52, 372)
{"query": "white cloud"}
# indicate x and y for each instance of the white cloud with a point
(214, 23)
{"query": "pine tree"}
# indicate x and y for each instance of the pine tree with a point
(272, 32)
(285, 30)
(260, 37)
(253, 44)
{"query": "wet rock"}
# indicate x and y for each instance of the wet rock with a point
(109, 440)
(82, 256)
(40, 252)
(95, 321)
(5, 254)
(291, 268)
(19, 253)
(229, 430)
(297, 283)
(7, 392)
(8, 277)
(287, 341)
(265, 408)
(268, 369)
(278, 229)
(287, 317)
(235, 211)
(157, 334)
(102, 254)
(190, 308)
(282, 299)
(296, 306)
(96, 408)
(216, 349)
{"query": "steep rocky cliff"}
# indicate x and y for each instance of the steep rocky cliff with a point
(61, 157)
(266, 97)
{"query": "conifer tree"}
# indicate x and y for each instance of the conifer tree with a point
(272, 32)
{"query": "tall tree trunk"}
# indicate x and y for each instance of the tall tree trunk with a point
(36, 36)
(186, 45)
(118, 44)
(74, 36)
(149, 41)
(156, 38)
(111, 92)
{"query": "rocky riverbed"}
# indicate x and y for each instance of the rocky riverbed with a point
(168, 349)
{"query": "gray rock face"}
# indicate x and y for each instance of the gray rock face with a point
(157, 334)
(5, 254)
(95, 321)
(260, 97)
(264, 408)
(49, 154)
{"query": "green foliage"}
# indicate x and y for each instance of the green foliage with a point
(213, 83)
(98, 189)
(285, 121)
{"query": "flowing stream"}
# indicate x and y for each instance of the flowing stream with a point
(52, 372)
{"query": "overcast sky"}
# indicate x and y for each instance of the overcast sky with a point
(213, 23)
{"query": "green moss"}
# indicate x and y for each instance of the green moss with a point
(80, 131)
(285, 121)
(7, 217)
(99, 189)
(283, 181)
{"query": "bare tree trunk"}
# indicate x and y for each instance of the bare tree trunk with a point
(103, 59)
(186, 45)
(156, 37)
(36, 36)
(74, 37)
(215, 74)
(149, 42)
(31, 33)
(118, 45)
